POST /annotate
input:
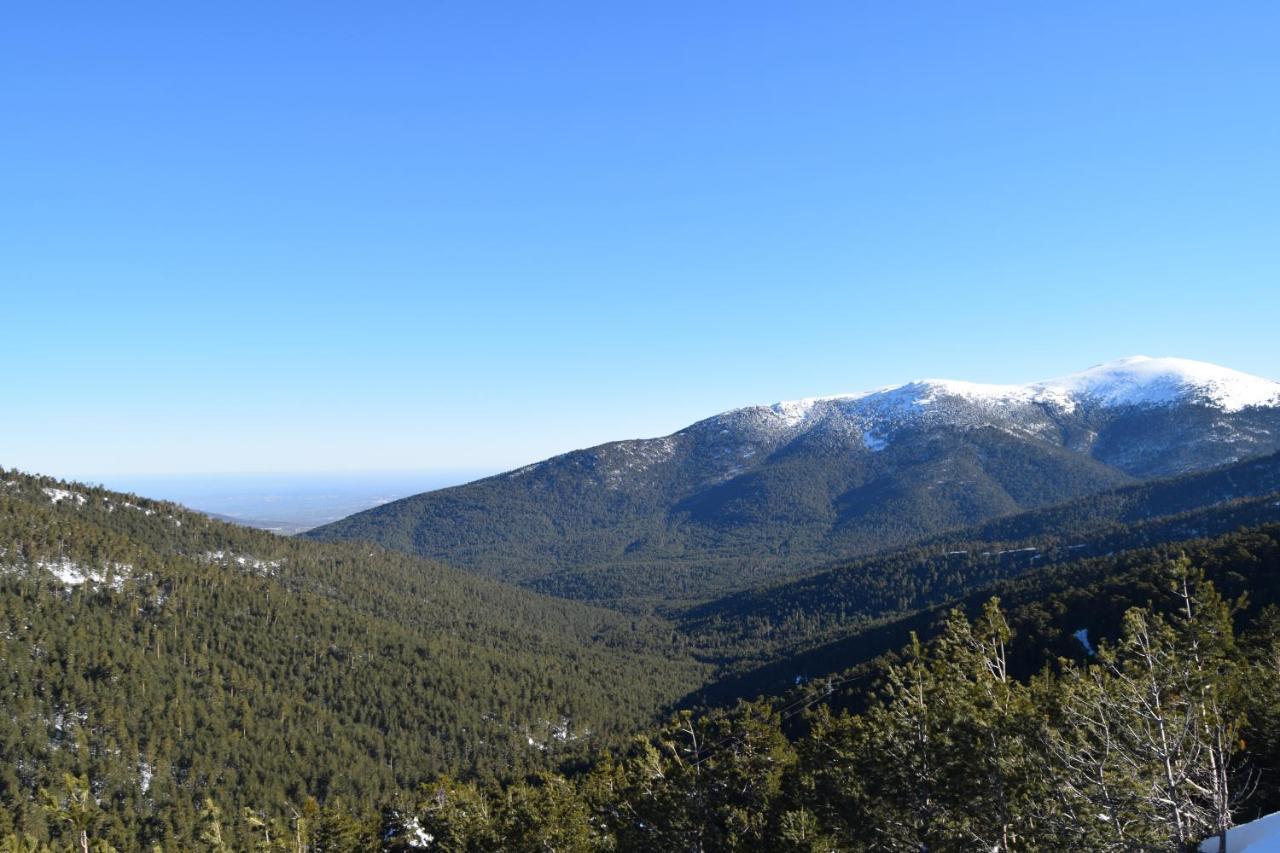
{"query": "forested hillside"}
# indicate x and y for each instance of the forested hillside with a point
(1152, 738)
(174, 671)
(1003, 727)
(169, 658)
(774, 620)
(603, 427)
(1047, 606)
(757, 495)
(678, 532)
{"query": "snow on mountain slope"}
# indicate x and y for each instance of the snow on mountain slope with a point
(1136, 381)
(1144, 381)
(777, 488)
(1259, 836)
(1125, 412)
(1146, 416)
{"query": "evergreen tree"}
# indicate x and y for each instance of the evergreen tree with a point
(76, 808)
(1147, 737)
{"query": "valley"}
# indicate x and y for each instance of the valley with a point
(276, 669)
(639, 428)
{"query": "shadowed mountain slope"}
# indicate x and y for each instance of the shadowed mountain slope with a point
(770, 491)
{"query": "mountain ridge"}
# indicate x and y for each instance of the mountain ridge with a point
(753, 493)
(1133, 380)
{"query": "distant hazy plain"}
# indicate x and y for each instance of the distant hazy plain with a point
(287, 502)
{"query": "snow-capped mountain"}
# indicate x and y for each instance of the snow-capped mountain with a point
(1136, 381)
(797, 483)
(1234, 413)
(1145, 381)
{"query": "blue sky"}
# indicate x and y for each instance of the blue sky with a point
(313, 236)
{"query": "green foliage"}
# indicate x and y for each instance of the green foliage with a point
(202, 686)
(1137, 749)
(781, 619)
(1151, 731)
(189, 669)
(1048, 604)
(689, 517)
(946, 759)
(75, 809)
(685, 519)
(708, 782)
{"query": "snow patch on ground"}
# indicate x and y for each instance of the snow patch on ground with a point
(1259, 836)
(65, 718)
(71, 573)
(411, 830)
(877, 419)
(934, 389)
(266, 568)
(527, 469)
(416, 834)
(635, 457)
(560, 731)
(1135, 381)
(793, 411)
(873, 442)
(57, 495)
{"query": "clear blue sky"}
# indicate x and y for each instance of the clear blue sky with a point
(315, 236)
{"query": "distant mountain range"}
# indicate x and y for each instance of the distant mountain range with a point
(765, 492)
(175, 661)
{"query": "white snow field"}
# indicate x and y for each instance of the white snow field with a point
(1259, 836)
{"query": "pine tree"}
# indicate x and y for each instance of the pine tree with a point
(990, 768)
(211, 832)
(457, 817)
(338, 830)
(76, 807)
(1148, 736)
(546, 814)
(901, 746)
(14, 843)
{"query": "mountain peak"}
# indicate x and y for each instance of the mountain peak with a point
(1143, 380)
(745, 492)
(1137, 380)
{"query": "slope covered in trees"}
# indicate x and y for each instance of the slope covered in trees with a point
(769, 620)
(1149, 738)
(677, 531)
(759, 494)
(1007, 731)
(1162, 736)
(168, 671)
(1047, 606)
(170, 658)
